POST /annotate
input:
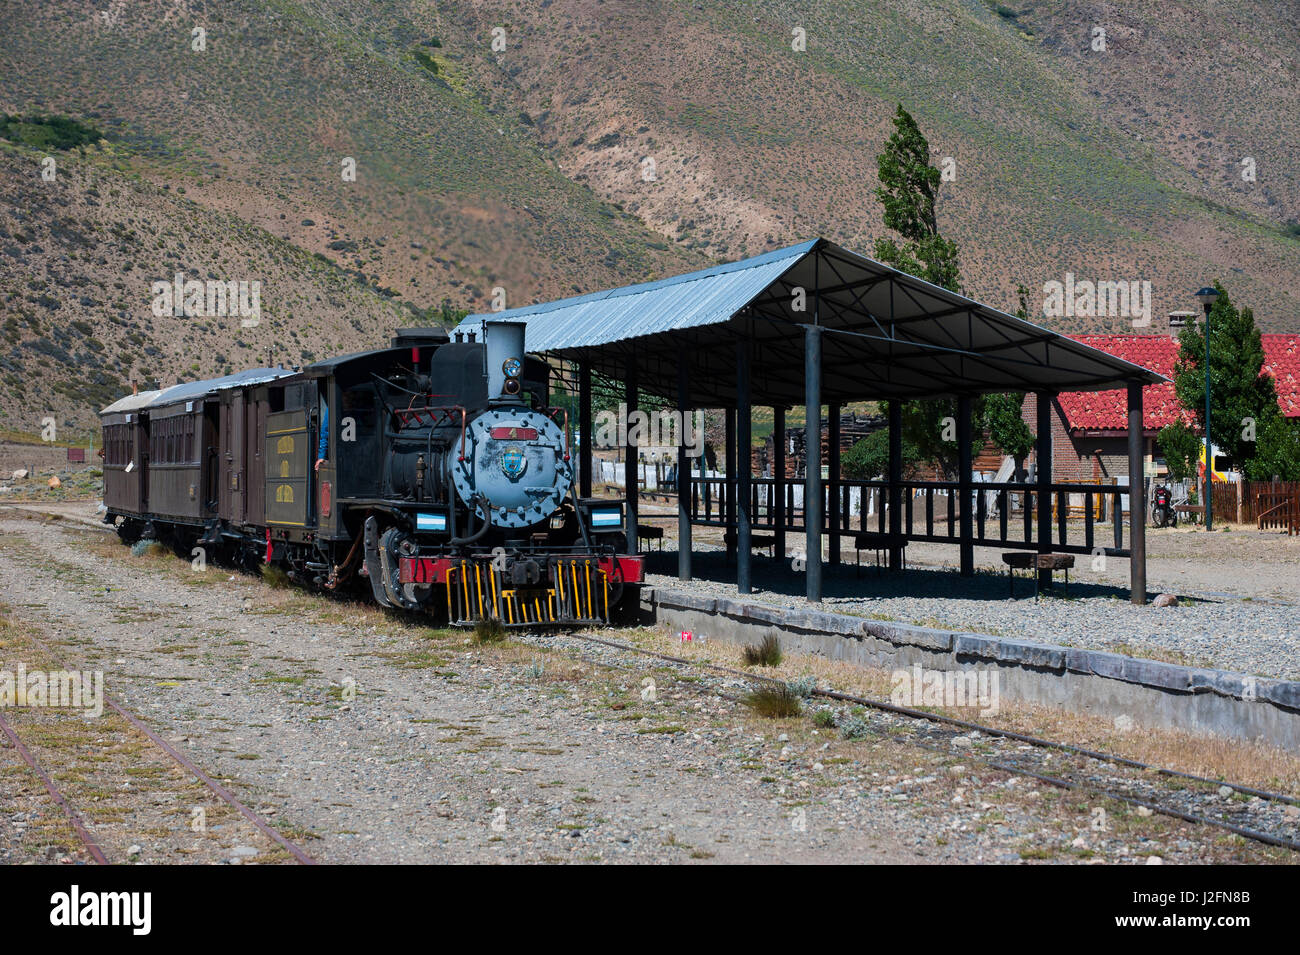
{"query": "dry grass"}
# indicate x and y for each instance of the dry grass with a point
(774, 700)
(489, 630)
(1250, 764)
(275, 576)
(766, 653)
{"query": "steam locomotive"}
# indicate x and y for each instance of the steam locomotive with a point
(434, 469)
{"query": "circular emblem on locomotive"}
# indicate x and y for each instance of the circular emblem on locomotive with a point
(513, 462)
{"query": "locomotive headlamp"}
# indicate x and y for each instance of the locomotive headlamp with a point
(511, 367)
(511, 386)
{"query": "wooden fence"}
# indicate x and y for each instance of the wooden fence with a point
(1269, 505)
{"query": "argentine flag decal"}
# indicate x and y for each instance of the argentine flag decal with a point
(431, 522)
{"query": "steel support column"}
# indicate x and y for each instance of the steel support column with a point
(744, 469)
(835, 496)
(1137, 498)
(584, 426)
(777, 505)
(812, 489)
(1043, 461)
(631, 478)
(684, 465)
(729, 486)
(895, 495)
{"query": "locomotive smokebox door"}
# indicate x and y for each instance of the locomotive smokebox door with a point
(514, 473)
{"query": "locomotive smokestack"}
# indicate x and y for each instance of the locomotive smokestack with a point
(505, 357)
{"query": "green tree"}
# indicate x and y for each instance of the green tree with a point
(867, 459)
(909, 188)
(1003, 420)
(909, 185)
(1181, 447)
(1277, 451)
(1243, 400)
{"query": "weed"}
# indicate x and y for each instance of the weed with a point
(275, 576)
(774, 700)
(767, 653)
(489, 630)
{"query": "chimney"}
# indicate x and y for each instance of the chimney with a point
(505, 356)
(135, 387)
(1178, 321)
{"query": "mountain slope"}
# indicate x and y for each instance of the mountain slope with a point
(526, 168)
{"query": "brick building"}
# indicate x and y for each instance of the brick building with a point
(1090, 429)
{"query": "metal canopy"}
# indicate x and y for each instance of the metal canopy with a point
(886, 334)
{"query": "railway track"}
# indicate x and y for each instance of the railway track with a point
(1137, 791)
(87, 837)
(88, 840)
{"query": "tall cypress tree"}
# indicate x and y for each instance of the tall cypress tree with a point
(909, 186)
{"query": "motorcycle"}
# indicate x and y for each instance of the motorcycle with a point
(1162, 508)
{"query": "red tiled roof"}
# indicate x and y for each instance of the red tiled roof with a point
(1282, 361)
(1106, 410)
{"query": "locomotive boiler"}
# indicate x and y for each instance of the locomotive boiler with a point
(433, 473)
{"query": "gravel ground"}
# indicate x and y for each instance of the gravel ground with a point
(1238, 595)
(538, 749)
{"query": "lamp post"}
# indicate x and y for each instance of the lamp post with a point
(1207, 297)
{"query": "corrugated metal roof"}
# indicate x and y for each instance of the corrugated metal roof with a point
(887, 334)
(189, 390)
(131, 402)
(707, 297)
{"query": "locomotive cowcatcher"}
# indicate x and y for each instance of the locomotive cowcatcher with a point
(434, 469)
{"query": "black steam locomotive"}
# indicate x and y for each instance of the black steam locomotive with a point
(436, 469)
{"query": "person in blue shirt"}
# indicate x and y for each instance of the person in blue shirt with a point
(323, 447)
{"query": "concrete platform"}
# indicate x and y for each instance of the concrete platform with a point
(1147, 692)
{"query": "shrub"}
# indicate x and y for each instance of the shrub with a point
(803, 686)
(275, 576)
(147, 548)
(854, 727)
(489, 630)
(48, 132)
(767, 653)
(774, 700)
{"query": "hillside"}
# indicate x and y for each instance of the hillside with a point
(525, 168)
(77, 261)
(1121, 164)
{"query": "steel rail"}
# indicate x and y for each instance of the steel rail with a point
(1263, 837)
(89, 841)
(221, 791)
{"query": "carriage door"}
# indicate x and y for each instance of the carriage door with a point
(140, 457)
(232, 460)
